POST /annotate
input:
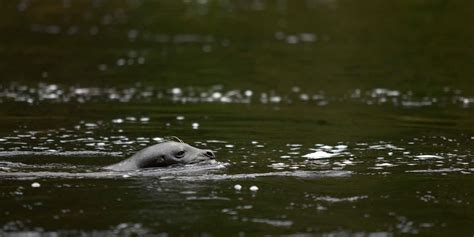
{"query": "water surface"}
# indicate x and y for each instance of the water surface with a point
(351, 119)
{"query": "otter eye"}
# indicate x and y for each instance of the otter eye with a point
(179, 154)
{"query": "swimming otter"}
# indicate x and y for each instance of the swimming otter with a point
(163, 154)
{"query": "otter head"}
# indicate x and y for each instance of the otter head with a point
(164, 154)
(172, 152)
(169, 153)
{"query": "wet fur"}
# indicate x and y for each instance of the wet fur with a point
(162, 155)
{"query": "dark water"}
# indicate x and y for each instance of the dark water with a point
(353, 118)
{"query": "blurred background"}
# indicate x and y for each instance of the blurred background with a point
(334, 45)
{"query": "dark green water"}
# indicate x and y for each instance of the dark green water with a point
(353, 118)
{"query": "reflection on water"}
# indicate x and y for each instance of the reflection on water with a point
(217, 94)
(320, 166)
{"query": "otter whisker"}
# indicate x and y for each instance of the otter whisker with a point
(171, 138)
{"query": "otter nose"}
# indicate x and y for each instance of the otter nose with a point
(209, 154)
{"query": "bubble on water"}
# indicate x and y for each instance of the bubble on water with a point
(304, 97)
(195, 125)
(144, 119)
(158, 139)
(296, 89)
(216, 95)
(253, 188)
(176, 91)
(238, 187)
(118, 120)
(308, 37)
(35, 185)
(121, 62)
(275, 99)
(180, 117)
(292, 39)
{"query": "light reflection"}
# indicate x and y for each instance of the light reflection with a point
(215, 94)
